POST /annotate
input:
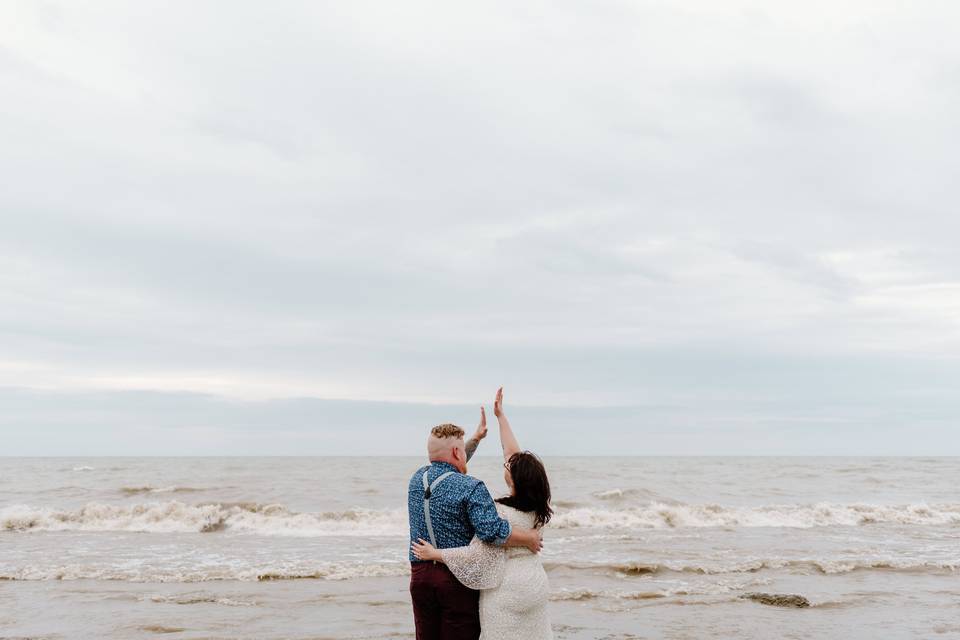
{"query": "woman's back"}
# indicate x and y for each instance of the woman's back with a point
(518, 607)
(519, 520)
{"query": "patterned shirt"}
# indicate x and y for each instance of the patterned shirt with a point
(460, 508)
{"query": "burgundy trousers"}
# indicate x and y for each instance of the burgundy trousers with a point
(443, 609)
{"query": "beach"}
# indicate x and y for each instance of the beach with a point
(638, 547)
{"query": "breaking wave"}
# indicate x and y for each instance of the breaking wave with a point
(626, 494)
(133, 491)
(660, 516)
(126, 573)
(736, 575)
(178, 517)
(198, 598)
(715, 588)
(277, 520)
(804, 566)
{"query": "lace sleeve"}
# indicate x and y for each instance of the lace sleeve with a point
(479, 565)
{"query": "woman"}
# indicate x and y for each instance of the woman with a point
(513, 584)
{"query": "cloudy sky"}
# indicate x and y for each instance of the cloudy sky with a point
(320, 227)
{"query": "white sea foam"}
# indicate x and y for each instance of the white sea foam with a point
(658, 516)
(139, 573)
(608, 495)
(198, 598)
(722, 579)
(131, 491)
(713, 588)
(276, 520)
(755, 565)
(178, 517)
(624, 494)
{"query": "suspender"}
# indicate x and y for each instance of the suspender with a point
(427, 492)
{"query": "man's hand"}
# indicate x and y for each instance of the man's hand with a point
(481, 431)
(470, 446)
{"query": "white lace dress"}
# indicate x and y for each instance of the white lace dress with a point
(513, 584)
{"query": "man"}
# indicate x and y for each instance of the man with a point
(449, 508)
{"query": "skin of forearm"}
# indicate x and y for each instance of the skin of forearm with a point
(507, 439)
(471, 447)
(520, 538)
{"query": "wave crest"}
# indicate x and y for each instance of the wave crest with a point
(718, 579)
(659, 516)
(178, 517)
(806, 566)
(277, 520)
(331, 571)
(133, 491)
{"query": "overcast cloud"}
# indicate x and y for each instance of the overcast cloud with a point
(297, 227)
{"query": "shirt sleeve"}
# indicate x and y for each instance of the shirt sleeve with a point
(487, 523)
(477, 566)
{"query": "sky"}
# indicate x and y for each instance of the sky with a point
(667, 228)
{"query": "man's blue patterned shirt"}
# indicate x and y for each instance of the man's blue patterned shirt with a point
(460, 507)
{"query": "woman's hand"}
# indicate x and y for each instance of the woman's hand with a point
(507, 440)
(498, 403)
(423, 550)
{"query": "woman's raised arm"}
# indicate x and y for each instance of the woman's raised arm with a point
(507, 440)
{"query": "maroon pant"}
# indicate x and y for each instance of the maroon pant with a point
(443, 609)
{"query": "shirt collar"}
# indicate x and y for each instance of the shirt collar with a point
(444, 467)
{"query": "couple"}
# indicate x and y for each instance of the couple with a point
(475, 572)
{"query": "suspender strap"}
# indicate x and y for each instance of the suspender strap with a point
(427, 492)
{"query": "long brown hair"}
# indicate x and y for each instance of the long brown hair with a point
(531, 488)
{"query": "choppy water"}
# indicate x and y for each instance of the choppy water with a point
(639, 547)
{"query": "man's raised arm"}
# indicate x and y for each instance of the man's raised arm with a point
(471, 445)
(507, 439)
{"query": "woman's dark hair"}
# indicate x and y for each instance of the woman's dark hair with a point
(531, 488)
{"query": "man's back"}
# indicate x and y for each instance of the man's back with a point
(460, 507)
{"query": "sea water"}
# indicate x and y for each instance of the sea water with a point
(638, 547)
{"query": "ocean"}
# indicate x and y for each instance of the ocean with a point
(638, 548)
